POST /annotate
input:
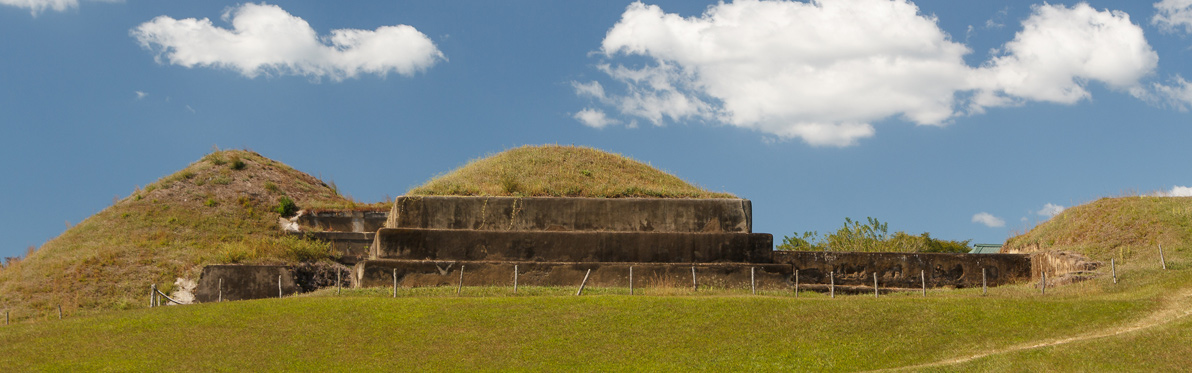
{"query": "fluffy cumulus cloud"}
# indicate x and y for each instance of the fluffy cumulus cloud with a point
(988, 220)
(594, 118)
(1059, 50)
(265, 39)
(1050, 210)
(1173, 15)
(1176, 191)
(825, 71)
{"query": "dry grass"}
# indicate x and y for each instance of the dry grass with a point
(561, 171)
(217, 210)
(1122, 228)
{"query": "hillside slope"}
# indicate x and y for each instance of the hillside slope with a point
(561, 171)
(219, 209)
(1121, 228)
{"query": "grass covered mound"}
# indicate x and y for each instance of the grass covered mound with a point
(1120, 228)
(561, 171)
(220, 209)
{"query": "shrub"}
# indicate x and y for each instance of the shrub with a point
(236, 164)
(210, 202)
(270, 186)
(285, 207)
(871, 236)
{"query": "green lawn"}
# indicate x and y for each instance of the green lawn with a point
(430, 329)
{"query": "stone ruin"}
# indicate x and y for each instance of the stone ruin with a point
(558, 241)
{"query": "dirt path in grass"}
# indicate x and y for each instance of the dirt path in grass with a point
(1173, 308)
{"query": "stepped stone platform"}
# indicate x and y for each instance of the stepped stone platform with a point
(571, 246)
(415, 273)
(902, 270)
(572, 214)
(557, 237)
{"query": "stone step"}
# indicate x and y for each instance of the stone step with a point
(414, 273)
(572, 214)
(575, 246)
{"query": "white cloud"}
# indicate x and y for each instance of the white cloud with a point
(37, 6)
(825, 71)
(1059, 51)
(594, 118)
(266, 39)
(1172, 15)
(988, 220)
(1176, 191)
(141, 95)
(1050, 210)
(1177, 95)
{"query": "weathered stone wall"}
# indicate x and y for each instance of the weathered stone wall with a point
(244, 282)
(342, 221)
(903, 269)
(572, 214)
(564, 246)
(412, 273)
(346, 247)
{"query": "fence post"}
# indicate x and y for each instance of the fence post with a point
(338, 280)
(796, 283)
(515, 279)
(875, 284)
(923, 278)
(1161, 260)
(630, 280)
(694, 284)
(461, 280)
(151, 288)
(279, 286)
(220, 289)
(59, 312)
(5, 317)
(395, 282)
(1043, 288)
(584, 282)
(984, 286)
(1113, 269)
(752, 280)
(832, 284)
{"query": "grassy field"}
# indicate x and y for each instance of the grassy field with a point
(561, 171)
(488, 328)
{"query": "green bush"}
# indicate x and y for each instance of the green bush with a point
(871, 236)
(285, 207)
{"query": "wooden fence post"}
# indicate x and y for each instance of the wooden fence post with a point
(832, 284)
(279, 286)
(796, 283)
(338, 281)
(984, 285)
(395, 283)
(59, 312)
(694, 284)
(220, 289)
(875, 284)
(1161, 260)
(151, 294)
(1043, 288)
(585, 282)
(923, 278)
(630, 280)
(461, 280)
(515, 279)
(752, 280)
(1113, 269)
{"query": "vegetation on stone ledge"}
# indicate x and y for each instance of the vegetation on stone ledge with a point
(561, 171)
(871, 236)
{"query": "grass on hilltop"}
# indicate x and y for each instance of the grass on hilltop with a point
(1124, 229)
(220, 209)
(561, 171)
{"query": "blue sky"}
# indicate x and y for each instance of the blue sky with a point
(938, 116)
